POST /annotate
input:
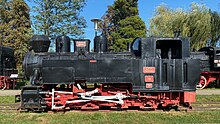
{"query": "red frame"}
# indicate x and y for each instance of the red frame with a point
(140, 100)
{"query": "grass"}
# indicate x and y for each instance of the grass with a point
(111, 117)
(207, 98)
(7, 99)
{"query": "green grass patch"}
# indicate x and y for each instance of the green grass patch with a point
(7, 99)
(207, 98)
(111, 117)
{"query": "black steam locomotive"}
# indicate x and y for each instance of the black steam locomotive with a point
(155, 73)
(8, 71)
(210, 66)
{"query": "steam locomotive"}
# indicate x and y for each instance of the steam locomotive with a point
(8, 71)
(210, 66)
(155, 73)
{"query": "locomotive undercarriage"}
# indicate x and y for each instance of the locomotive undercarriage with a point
(82, 96)
(207, 78)
(7, 83)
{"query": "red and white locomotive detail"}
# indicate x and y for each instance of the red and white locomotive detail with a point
(8, 82)
(109, 97)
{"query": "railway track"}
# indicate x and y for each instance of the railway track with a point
(9, 107)
(206, 106)
(198, 106)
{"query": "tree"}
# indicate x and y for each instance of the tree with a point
(122, 24)
(57, 17)
(123, 9)
(199, 25)
(194, 23)
(166, 21)
(129, 29)
(15, 27)
(215, 28)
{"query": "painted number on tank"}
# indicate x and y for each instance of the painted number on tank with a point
(148, 70)
(80, 44)
(149, 86)
(149, 79)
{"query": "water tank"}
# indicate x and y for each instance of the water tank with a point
(40, 43)
(63, 44)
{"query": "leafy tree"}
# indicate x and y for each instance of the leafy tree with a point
(215, 28)
(129, 29)
(123, 9)
(15, 27)
(199, 25)
(107, 25)
(194, 23)
(166, 21)
(55, 17)
(122, 24)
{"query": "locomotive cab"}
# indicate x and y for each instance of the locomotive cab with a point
(177, 48)
(173, 50)
(167, 56)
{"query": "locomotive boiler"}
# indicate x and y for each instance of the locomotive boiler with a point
(156, 73)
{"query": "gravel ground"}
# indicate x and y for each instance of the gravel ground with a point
(208, 92)
(9, 92)
(200, 92)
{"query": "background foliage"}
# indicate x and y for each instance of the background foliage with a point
(199, 23)
(57, 17)
(15, 27)
(122, 24)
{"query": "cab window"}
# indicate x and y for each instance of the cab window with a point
(136, 47)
